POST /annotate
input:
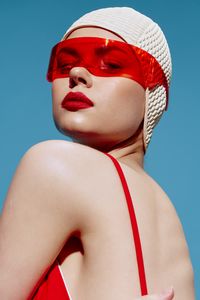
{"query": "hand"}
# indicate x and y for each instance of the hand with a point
(167, 295)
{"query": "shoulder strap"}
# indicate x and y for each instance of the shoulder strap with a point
(136, 236)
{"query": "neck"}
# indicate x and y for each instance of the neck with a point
(130, 152)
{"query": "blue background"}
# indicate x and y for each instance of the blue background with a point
(28, 31)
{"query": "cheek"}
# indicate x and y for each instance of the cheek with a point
(58, 93)
(124, 100)
(59, 90)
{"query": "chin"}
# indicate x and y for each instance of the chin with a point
(96, 138)
(92, 139)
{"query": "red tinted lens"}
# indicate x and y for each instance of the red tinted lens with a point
(106, 58)
(102, 57)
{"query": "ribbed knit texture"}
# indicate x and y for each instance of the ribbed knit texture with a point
(139, 30)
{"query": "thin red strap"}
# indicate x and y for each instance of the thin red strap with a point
(136, 236)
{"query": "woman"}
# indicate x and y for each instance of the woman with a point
(83, 220)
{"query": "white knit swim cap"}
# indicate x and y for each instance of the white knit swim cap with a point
(138, 30)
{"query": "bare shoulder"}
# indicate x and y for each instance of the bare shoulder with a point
(63, 156)
(64, 166)
(52, 170)
(62, 149)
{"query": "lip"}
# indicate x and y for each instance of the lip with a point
(76, 100)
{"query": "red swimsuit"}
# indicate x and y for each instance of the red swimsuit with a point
(53, 286)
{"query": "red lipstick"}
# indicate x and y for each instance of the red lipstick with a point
(75, 101)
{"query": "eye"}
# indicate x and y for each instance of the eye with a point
(65, 61)
(111, 65)
(65, 66)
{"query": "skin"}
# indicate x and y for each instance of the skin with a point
(53, 191)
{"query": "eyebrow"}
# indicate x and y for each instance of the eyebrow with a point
(106, 49)
(69, 50)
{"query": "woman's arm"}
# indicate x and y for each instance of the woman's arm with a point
(37, 218)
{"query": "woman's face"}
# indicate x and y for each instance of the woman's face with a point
(118, 103)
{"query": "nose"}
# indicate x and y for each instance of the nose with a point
(80, 76)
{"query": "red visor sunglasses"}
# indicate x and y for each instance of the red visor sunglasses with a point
(106, 58)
